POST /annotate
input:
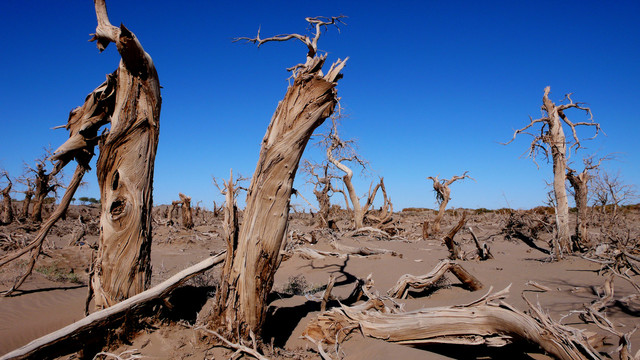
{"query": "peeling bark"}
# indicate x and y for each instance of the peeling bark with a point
(125, 169)
(248, 275)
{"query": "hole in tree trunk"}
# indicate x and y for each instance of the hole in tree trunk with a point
(116, 179)
(117, 207)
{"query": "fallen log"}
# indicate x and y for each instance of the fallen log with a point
(73, 337)
(362, 251)
(401, 289)
(481, 322)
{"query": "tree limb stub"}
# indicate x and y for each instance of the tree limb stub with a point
(70, 338)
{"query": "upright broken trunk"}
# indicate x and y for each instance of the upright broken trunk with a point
(187, 216)
(248, 275)
(26, 203)
(125, 169)
(579, 183)
(7, 208)
(42, 189)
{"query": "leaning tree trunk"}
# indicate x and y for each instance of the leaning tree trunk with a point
(125, 170)
(248, 275)
(7, 214)
(358, 212)
(581, 191)
(557, 142)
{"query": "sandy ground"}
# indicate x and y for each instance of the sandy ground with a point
(48, 302)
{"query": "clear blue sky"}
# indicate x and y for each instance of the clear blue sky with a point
(431, 87)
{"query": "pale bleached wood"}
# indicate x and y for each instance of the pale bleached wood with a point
(240, 306)
(363, 251)
(443, 195)
(125, 169)
(406, 282)
(70, 338)
(551, 138)
(482, 322)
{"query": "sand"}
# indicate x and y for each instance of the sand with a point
(46, 305)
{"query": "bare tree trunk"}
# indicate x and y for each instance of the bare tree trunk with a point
(438, 219)
(324, 203)
(125, 170)
(558, 145)
(552, 136)
(579, 183)
(443, 195)
(7, 213)
(358, 213)
(42, 189)
(26, 203)
(187, 217)
(240, 306)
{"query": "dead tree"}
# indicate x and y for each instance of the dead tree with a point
(45, 183)
(248, 274)
(130, 100)
(580, 185)
(28, 195)
(322, 188)
(443, 195)
(339, 153)
(551, 138)
(611, 190)
(7, 207)
(185, 209)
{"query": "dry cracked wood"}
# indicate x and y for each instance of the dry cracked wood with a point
(240, 306)
(406, 282)
(481, 322)
(125, 169)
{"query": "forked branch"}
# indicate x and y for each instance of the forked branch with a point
(317, 23)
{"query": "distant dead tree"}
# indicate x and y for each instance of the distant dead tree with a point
(611, 190)
(320, 177)
(340, 153)
(7, 207)
(551, 138)
(185, 209)
(443, 195)
(28, 195)
(44, 184)
(251, 262)
(580, 189)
